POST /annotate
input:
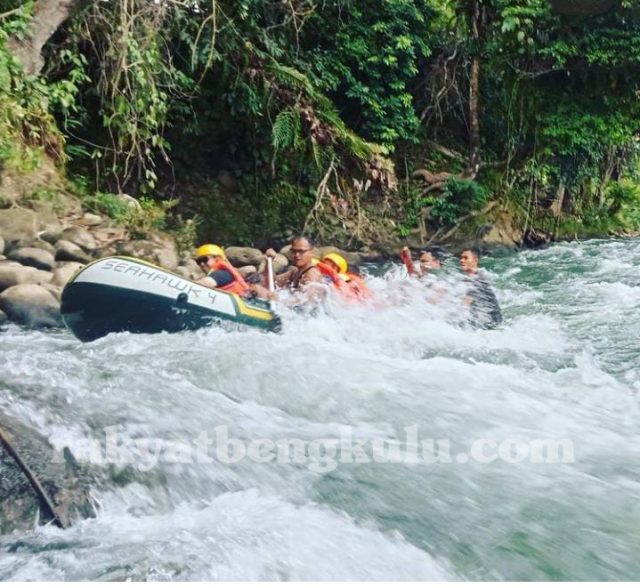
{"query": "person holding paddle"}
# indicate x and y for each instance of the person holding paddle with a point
(304, 278)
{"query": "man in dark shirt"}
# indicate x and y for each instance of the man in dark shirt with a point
(483, 305)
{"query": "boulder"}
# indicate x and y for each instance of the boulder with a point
(55, 290)
(63, 273)
(67, 482)
(13, 274)
(91, 220)
(41, 244)
(3, 318)
(1, 245)
(109, 234)
(166, 250)
(50, 237)
(536, 238)
(130, 201)
(242, 256)
(247, 270)
(280, 263)
(81, 237)
(370, 255)
(18, 226)
(189, 269)
(33, 257)
(68, 251)
(31, 305)
(165, 255)
(47, 216)
(183, 272)
(502, 232)
(285, 251)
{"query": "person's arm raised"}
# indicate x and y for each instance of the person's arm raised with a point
(405, 255)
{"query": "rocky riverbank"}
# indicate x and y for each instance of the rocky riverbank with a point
(40, 250)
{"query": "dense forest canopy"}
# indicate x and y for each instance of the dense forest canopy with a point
(351, 119)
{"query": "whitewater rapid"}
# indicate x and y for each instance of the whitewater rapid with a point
(564, 366)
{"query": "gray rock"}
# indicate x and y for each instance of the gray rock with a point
(50, 236)
(80, 237)
(280, 263)
(189, 269)
(247, 270)
(3, 318)
(33, 257)
(55, 290)
(68, 251)
(164, 255)
(2, 258)
(130, 201)
(47, 217)
(241, 256)
(1, 245)
(64, 272)
(91, 220)
(40, 244)
(67, 482)
(31, 305)
(18, 226)
(13, 274)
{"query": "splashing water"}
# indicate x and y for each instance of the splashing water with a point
(563, 367)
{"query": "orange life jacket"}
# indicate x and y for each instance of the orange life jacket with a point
(350, 286)
(238, 285)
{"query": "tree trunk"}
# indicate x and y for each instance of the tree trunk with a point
(48, 16)
(475, 18)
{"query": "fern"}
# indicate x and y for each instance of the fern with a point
(286, 130)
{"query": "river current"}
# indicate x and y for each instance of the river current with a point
(563, 368)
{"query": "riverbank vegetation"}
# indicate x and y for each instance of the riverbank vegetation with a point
(360, 122)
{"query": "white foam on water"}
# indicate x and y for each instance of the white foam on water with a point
(563, 366)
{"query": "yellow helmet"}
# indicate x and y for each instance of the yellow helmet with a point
(213, 250)
(340, 261)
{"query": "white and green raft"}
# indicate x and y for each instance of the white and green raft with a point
(118, 294)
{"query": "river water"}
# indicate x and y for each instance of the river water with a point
(563, 368)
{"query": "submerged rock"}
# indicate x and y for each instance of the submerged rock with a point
(67, 483)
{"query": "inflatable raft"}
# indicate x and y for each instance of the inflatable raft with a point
(118, 294)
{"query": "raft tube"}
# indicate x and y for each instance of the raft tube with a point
(117, 294)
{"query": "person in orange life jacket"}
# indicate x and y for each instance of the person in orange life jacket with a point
(221, 274)
(304, 278)
(336, 271)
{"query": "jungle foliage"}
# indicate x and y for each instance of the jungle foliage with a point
(266, 115)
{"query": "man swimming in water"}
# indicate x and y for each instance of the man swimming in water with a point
(480, 299)
(429, 260)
